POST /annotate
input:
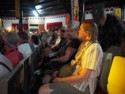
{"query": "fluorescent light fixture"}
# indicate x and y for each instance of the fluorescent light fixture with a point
(35, 13)
(38, 6)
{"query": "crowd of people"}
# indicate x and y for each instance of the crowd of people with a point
(80, 47)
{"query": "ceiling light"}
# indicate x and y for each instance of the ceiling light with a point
(35, 13)
(38, 6)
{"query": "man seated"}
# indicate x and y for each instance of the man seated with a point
(12, 53)
(24, 46)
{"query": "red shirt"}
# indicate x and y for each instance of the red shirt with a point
(13, 55)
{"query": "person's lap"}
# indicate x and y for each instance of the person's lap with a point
(63, 88)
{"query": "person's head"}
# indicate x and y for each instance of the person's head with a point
(88, 31)
(35, 39)
(61, 33)
(55, 32)
(10, 39)
(99, 15)
(69, 27)
(23, 37)
(71, 34)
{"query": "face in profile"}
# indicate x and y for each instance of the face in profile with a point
(81, 33)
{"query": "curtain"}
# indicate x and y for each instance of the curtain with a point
(54, 25)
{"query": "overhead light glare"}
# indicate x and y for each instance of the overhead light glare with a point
(35, 13)
(38, 6)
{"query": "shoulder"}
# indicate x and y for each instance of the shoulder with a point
(6, 61)
(95, 46)
(23, 45)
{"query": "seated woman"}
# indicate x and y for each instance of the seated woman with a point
(66, 53)
(24, 45)
(88, 62)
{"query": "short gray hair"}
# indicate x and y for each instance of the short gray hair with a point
(11, 39)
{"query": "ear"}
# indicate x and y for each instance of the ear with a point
(88, 37)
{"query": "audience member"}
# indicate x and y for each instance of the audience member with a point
(24, 47)
(66, 52)
(34, 40)
(12, 53)
(63, 40)
(88, 62)
(5, 64)
(54, 39)
(110, 27)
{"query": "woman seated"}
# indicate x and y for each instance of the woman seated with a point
(66, 53)
(88, 62)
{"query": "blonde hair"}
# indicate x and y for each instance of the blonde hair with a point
(92, 28)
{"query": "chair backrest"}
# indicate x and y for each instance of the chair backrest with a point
(36, 56)
(115, 50)
(9, 84)
(27, 75)
(116, 78)
(103, 77)
(106, 65)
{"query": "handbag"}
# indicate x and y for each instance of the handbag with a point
(67, 70)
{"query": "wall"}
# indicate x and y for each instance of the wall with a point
(7, 22)
(34, 22)
(55, 19)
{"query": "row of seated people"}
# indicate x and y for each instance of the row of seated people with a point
(78, 76)
(92, 51)
(13, 48)
(11, 82)
(88, 71)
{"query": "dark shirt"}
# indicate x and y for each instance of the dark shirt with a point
(110, 33)
(75, 43)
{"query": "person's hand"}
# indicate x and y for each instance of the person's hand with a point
(52, 60)
(55, 74)
(57, 80)
(46, 79)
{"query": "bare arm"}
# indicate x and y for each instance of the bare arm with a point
(68, 54)
(83, 75)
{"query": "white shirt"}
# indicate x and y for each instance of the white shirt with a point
(91, 59)
(7, 62)
(25, 49)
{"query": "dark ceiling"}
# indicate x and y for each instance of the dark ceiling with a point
(49, 7)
